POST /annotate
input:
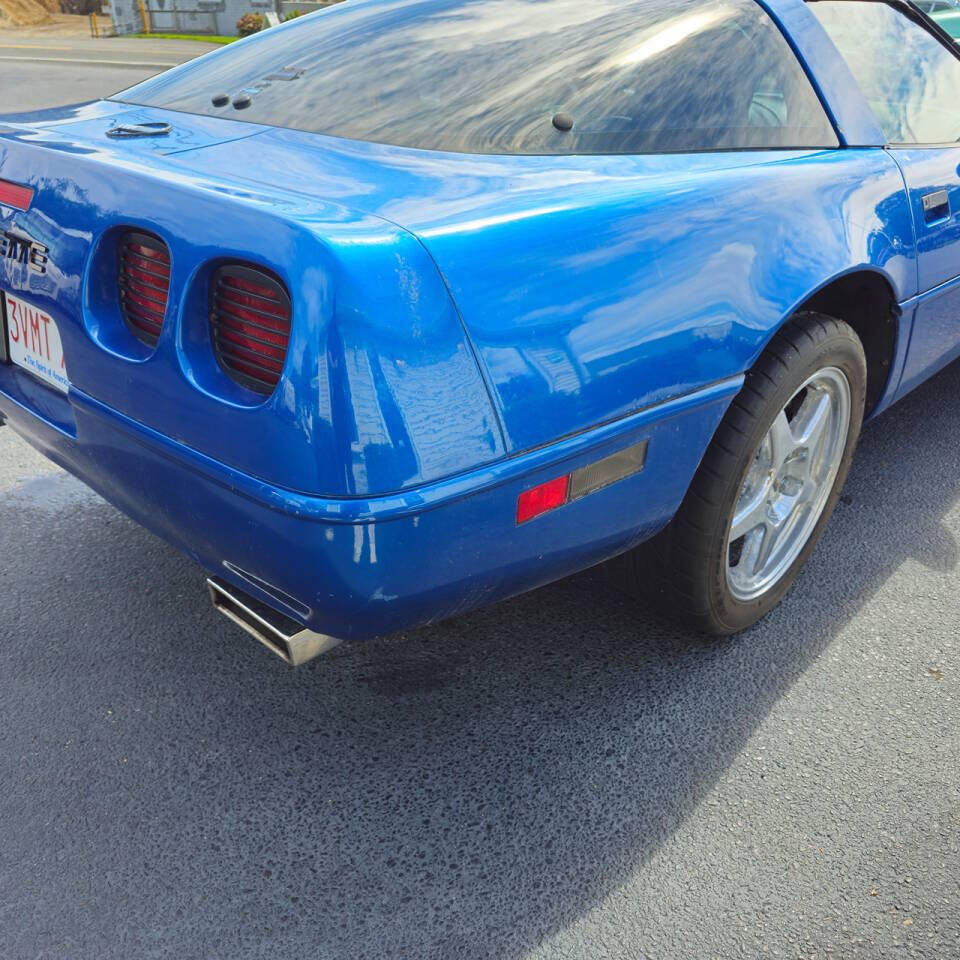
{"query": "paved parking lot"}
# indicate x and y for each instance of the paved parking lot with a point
(561, 775)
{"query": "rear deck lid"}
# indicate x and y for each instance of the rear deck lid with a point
(124, 129)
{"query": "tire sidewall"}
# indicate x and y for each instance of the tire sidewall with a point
(840, 348)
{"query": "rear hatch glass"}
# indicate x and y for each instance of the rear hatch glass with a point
(516, 77)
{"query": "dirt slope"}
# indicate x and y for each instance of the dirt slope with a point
(27, 13)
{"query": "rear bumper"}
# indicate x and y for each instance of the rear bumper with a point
(358, 567)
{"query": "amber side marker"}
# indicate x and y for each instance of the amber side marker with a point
(572, 486)
(15, 195)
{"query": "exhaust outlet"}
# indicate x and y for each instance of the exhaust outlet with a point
(277, 632)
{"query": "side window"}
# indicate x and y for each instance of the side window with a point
(909, 78)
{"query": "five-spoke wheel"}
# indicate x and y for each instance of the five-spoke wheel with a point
(767, 484)
(788, 483)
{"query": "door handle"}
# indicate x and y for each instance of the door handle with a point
(936, 206)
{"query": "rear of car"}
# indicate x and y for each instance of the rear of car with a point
(378, 345)
(278, 385)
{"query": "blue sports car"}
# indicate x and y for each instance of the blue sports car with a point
(411, 305)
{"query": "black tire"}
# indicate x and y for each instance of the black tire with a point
(684, 567)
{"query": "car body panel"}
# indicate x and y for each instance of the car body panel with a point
(935, 338)
(465, 327)
(661, 274)
(354, 568)
(605, 326)
(369, 359)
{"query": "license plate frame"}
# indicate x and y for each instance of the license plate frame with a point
(31, 341)
(4, 350)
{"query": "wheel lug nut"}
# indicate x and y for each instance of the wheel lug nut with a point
(790, 486)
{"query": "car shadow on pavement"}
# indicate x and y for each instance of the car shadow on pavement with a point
(464, 790)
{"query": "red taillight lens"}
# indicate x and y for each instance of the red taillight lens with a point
(540, 499)
(250, 315)
(15, 195)
(144, 283)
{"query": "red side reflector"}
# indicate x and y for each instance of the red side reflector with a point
(587, 479)
(14, 195)
(547, 496)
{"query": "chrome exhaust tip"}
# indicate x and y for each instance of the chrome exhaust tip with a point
(277, 632)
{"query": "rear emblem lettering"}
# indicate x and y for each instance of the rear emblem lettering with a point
(23, 250)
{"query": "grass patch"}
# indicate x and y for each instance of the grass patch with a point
(185, 36)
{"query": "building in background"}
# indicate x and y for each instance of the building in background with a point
(214, 17)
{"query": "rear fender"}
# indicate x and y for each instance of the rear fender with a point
(613, 296)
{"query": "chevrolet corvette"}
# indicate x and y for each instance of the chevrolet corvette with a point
(407, 306)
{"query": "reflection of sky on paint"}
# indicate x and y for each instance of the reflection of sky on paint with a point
(909, 78)
(487, 76)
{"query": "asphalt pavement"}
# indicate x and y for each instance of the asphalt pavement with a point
(563, 775)
(39, 71)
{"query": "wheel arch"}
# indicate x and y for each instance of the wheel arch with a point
(865, 299)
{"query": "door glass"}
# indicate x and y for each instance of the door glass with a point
(909, 77)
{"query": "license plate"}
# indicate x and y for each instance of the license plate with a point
(33, 341)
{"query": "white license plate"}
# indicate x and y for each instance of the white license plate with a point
(34, 342)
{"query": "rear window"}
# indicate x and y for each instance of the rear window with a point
(517, 77)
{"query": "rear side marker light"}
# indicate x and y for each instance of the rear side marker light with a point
(547, 496)
(15, 195)
(144, 283)
(572, 486)
(250, 315)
